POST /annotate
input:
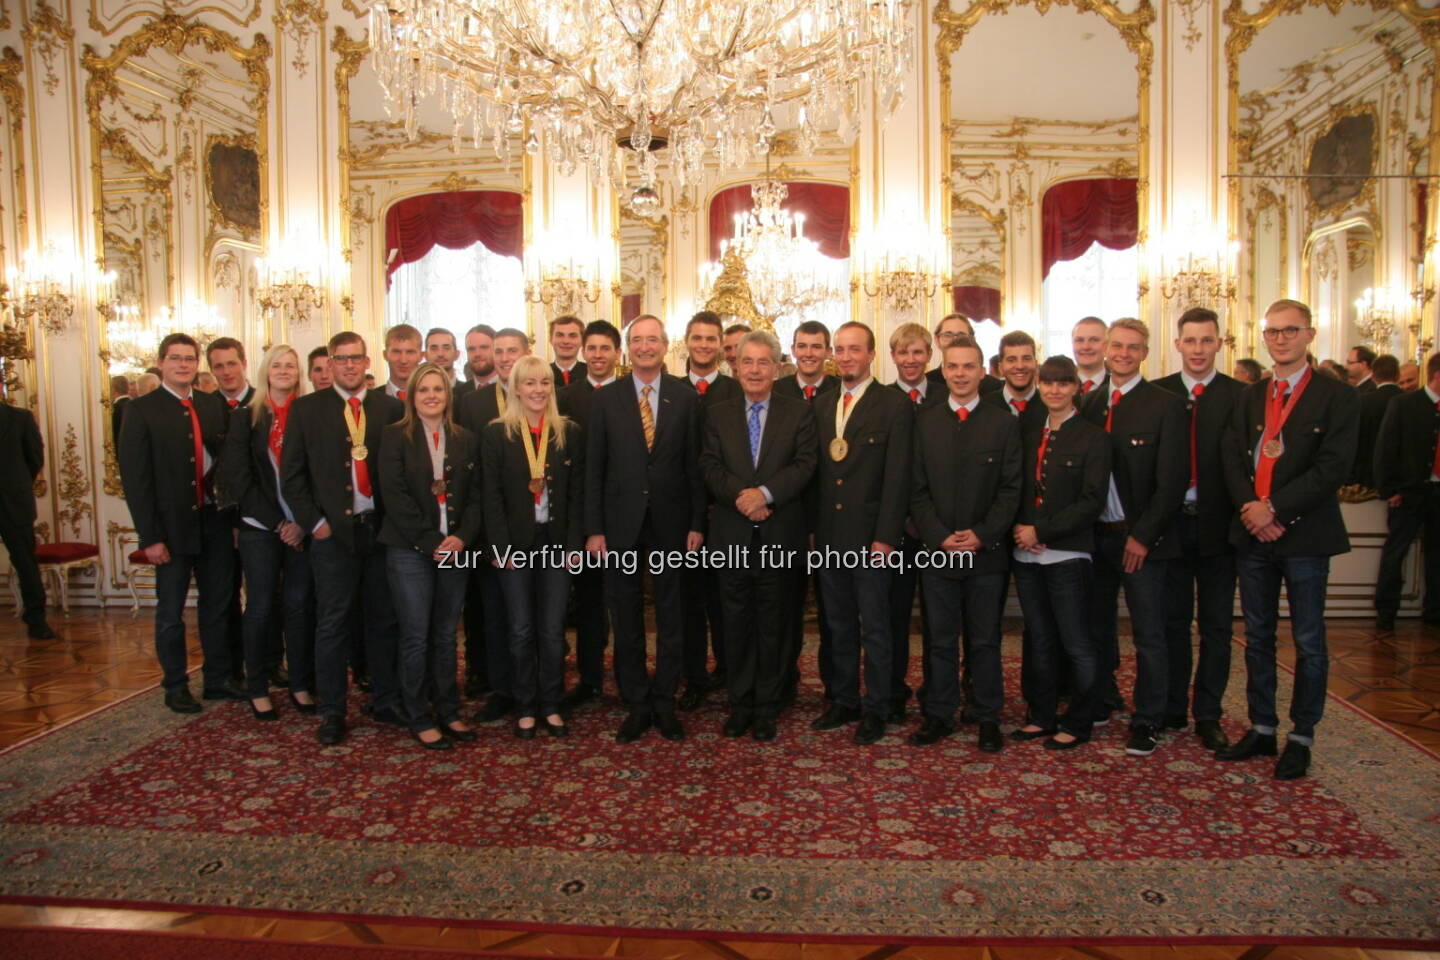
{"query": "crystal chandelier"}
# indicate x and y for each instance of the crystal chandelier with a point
(1379, 312)
(900, 265)
(589, 78)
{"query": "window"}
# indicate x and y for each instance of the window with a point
(457, 289)
(1100, 283)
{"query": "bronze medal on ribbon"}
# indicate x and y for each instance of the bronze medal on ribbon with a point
(537, 484)
(839, 449)
(438, 487)
(359, 452)
(1273, 448)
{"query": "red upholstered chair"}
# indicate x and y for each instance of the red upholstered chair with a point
(56, 560)
(137, 567)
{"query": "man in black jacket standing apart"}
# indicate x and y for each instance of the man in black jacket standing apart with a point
(1406, 466)
(1288, 450)
(1201, 581)
(172, 439)
(965, 491)
(1138, 532)
(862, 494)
(17, 511)
(643, 493)
(330, 478)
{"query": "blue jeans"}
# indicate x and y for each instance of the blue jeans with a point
(269, 564)
(535, 600)
(428, 600)
(1145, 598)
(857, 608)
(1305, 579)
(1054, 599)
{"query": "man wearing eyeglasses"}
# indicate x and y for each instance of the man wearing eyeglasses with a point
(1291, 442)
(171, 440)
(330, 480)
(949, 330)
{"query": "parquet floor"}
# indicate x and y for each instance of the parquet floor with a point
(103, 658)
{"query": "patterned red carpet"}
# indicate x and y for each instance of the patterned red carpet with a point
(809, 835)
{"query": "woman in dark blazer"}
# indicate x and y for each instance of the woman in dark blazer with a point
(429, 472)
(533, 503)
(1066, 480)
(271, 543)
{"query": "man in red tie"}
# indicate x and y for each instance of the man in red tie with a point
(566, 334)
(402, 355)
(1087, 345)
(1138, 531)
(226, 358)
(1018, 365)
(170, 442)
(1288, 450)
(810, 349)
(1200, 586)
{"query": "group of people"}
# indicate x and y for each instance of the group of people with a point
(371, 523)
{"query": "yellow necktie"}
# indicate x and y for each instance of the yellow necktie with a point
(647, 417)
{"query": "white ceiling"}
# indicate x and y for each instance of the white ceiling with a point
(1310, 35)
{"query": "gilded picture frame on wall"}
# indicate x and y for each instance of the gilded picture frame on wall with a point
(1342, 160)
(232, 177)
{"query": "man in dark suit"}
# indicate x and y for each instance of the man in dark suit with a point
(119, 400)
(1406, 468)
(1201, 581)
(1359, 372)
(1088, 339)
(644, 493)
(704, 618)
(479, 369)
(810, 349)
(757, 460)
(441, 349)
(592, 626)
(1373, 404)
(172, 440)
(949, 330)
(965, 492)
(566, 336)
(862, 497)
(1289, 449)
(226, 358)
(477, 373)
(1017, 396)
(1138, 532)
(330, 480)
(19, 434)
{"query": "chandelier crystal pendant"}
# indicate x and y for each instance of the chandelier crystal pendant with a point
(590, 78)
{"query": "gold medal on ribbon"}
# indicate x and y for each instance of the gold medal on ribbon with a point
(838, 449)
(537, 456)
(359, 452)
(355, 423)
(1272, 449)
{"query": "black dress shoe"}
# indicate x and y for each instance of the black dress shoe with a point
(691, 698)
(476, 687)
(40, 631)
(525, 733)
(1385, 622)
(223, 693)
(439, 744)
(871, 729)
(736, 725)
(896, 713)
(387, 715)
(306, 708)
(1053, 744)
(669, 726)
(933, 730)
(495, 709)
(1212, 738)
(181, 700)
(582, 694)
(1024, 735)
(1294, 762)
(1251, 745)
(332, 731)
(263, 715)
(464, 736)
(763, 729)
(990, 740)
(634, 727)
(279, 677)
(364, 683)
(835, 717)
(557, 729)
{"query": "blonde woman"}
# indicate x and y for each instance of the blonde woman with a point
(271, 543)
(428, 470)
(532, 478)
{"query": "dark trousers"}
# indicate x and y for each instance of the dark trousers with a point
(428, 599)
(1262, 572)
(1055, 598)
(214, 571)
(1418, 514)
(1145, 598)
(755, 635)
(476, 666)
(344, 582)
(496, 629)
(857, 610)
(535, 604)
(641, 691)
(903, 585)
(1201, 589)
(274, 570)
(970, 603)
(20, 543)
(235, 617)
(592, 627)
(704, 626)
(795, 635)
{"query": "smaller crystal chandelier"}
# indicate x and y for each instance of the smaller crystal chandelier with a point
(129, 343)
(563, 271)
(196, 317)
(1197, 267)
(291, 284)
(902, 267)
(1379, 312)
(42, 287)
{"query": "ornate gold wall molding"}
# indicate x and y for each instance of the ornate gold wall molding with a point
(74, 486)
(12, 69)
(238, 15)
(301, 19)
(350, 54)
(49, 34)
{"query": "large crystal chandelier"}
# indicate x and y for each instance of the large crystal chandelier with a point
(591, 77)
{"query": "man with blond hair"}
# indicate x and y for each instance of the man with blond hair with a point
(402, 356)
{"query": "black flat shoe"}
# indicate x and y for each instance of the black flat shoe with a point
(524, 733)
(181, 700)
(306, 708)
(331, 732)
(736, 725)
(1023, 735)
(990, 740)
(557, 729)
(1053, 744)
(265, 715)
(439, 744)
(764, 730)
(463, 736)
(669, 726)
(933, 730)
(633, 728)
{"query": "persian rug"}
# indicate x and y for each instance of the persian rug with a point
(808, 837)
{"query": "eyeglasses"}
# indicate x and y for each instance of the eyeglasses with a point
(1282, 333)
(180, 358)
(347, 357)
(950, 335)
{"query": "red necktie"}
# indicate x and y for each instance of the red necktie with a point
(362, 469)
(400, 395)
(1265, 471)
(702, 386)
(199, 453)
(1086, 386)
(914, 396)
(848, 398)
(810, 392)
(1040, 466)
(1019, 405)
(566, 375)
(277, 427)
(439, 497)
(963, 413)
(1110, 410)
(1195, 392)
(233, 403)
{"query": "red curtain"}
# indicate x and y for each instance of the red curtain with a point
(978, 303)
(629, 308)
(455, 221)
(826, 207)
(1078, 213)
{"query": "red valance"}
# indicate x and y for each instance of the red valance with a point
(1078, 213)
(455, 221)
(978, 303)
(826, 207)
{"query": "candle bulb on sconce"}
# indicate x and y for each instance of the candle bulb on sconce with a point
(291, 283)
(42, 288)
(564, 270)
(902, 267)
(1197, 267)
(1379, 311)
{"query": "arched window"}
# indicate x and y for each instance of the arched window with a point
(1090, 260)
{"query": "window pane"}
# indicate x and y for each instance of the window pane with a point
(1101, 283)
